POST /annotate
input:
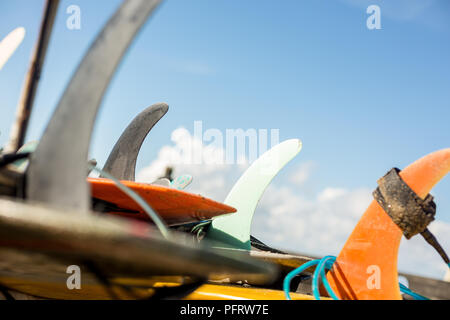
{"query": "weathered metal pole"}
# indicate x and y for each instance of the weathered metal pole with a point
(19, 128)
(56, 174)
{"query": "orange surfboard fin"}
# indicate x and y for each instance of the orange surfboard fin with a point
(366, 268)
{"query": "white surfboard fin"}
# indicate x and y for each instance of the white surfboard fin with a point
(9, 44)
(29, 147)
(121, 162)
(447, 276)
(162, 182)
(57, 169)
(234, 230)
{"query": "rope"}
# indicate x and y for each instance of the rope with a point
(319, 274)
(407, 291)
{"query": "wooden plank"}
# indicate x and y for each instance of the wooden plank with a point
(430, 288)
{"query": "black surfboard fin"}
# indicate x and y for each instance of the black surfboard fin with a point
(121, 162)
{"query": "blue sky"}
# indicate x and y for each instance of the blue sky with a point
(362, 101)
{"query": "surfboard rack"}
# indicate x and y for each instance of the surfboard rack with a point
(38, 242)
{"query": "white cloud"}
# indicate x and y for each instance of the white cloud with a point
(417, 257)
(303, 172)
(212, 178)
(286, 217)
(317, 226)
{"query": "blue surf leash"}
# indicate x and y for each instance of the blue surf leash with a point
(326, 263)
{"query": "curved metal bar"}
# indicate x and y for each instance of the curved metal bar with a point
(57, 171)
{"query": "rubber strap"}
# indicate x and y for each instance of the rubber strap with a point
(410, 212)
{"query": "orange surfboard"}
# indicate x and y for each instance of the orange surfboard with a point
(174, 206)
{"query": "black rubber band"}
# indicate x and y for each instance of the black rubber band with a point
(410, 212)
